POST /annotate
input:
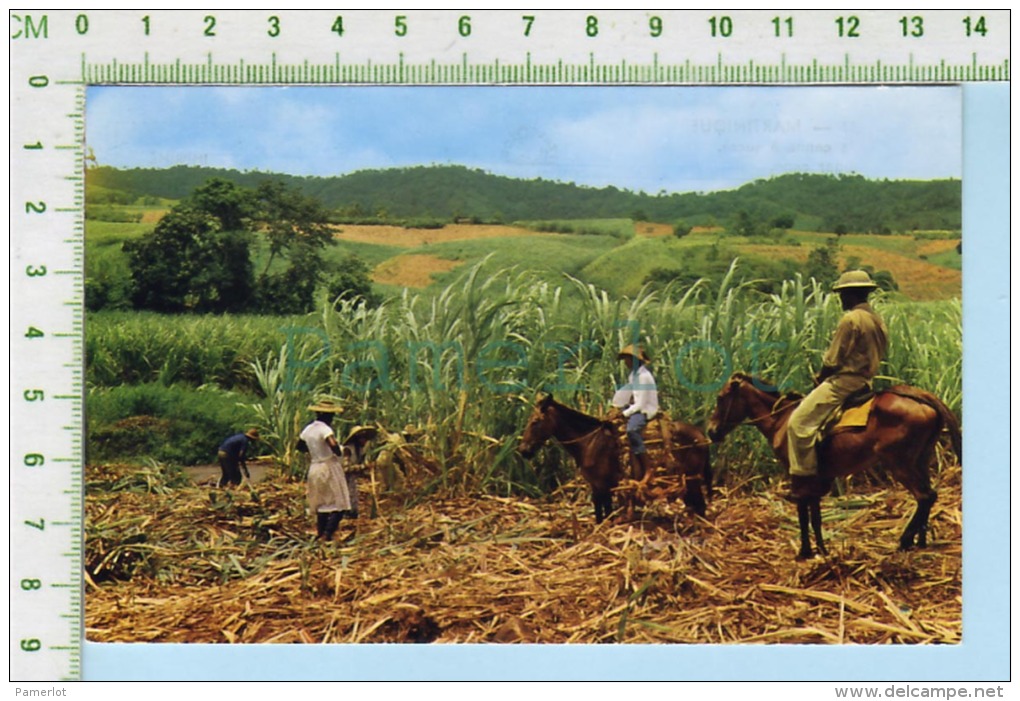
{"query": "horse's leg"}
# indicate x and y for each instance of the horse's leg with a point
(925, 496)
(925, 508)
(694, 499)
(918, 526)
(805, 540)
(603, 504)
(815, 509)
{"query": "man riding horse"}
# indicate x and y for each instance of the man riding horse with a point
(849, 365)
(639, 401)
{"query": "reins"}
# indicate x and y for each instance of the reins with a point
(595, 430)
(776, 409)
(580, 438)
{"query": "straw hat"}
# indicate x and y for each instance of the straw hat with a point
(326, 406)
(854, 279)
(367, 432)
(252, 433)
(636, 352)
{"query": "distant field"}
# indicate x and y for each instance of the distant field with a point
(615, 254)
(932, 248)
(413, 238)
(918, 279)
(549, 255)
(152, 216)
(412, 270)
(652, 229)
(618, 228)
(104, 233)
(798, 254)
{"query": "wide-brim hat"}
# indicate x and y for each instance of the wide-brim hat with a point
(326, 406)
(854, 279)
(366, 432)
(252, 433)
(634, 352)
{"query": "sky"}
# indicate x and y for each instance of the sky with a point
(639, 138)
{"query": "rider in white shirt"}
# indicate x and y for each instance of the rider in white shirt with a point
(639, 401)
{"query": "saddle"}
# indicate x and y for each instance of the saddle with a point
(658, 440)
(665, 482)
(853, 415)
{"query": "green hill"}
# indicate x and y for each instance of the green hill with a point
(840, 203)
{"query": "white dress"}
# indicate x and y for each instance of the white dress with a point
(327, 484)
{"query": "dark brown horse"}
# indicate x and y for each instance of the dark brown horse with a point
(904, 425)
(595, 447)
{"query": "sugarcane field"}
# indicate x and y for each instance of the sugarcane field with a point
(478, 521)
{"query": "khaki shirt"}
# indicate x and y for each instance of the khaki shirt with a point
(859, 344)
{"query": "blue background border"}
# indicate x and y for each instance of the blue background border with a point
(984, 653)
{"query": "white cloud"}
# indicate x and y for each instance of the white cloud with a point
(677, 139)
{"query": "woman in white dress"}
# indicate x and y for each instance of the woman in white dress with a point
(328, 497)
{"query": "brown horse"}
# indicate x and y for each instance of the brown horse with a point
(595, 447)
(904, 425)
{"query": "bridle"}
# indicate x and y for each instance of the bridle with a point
(776, 409)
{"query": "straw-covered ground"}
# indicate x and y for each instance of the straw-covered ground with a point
(170, 561)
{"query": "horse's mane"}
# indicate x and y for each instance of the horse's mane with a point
(576, 415)
(760, 385)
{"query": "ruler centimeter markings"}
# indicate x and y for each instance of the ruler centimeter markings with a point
(55, 55)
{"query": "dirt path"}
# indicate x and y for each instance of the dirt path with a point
(206, 474)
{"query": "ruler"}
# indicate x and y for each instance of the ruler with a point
(55, 55)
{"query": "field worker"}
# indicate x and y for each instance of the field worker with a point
(639, 401)
(328, 497)
(355, 450)
(849, 365)
(233, 456)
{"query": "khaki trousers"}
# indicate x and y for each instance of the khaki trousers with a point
(804, 430)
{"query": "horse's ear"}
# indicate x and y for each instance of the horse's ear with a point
(543, 398)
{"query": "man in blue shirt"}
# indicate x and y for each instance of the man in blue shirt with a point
(233, 455)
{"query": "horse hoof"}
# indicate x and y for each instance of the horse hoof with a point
(802, 555)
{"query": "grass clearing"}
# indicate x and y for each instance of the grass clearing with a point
(917, 279)
(652, 229)
(412, 270)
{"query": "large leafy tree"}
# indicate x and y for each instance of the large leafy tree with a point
(292, 221)
(189, 264)
(297, 231)
(199, 257)
(231, 204)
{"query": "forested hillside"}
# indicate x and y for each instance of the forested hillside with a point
(834, 203)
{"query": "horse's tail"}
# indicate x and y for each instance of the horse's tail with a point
(705, 445)
(709, 491)
(946, 417)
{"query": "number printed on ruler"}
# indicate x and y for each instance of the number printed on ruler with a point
(56, 54)
(523, 46)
